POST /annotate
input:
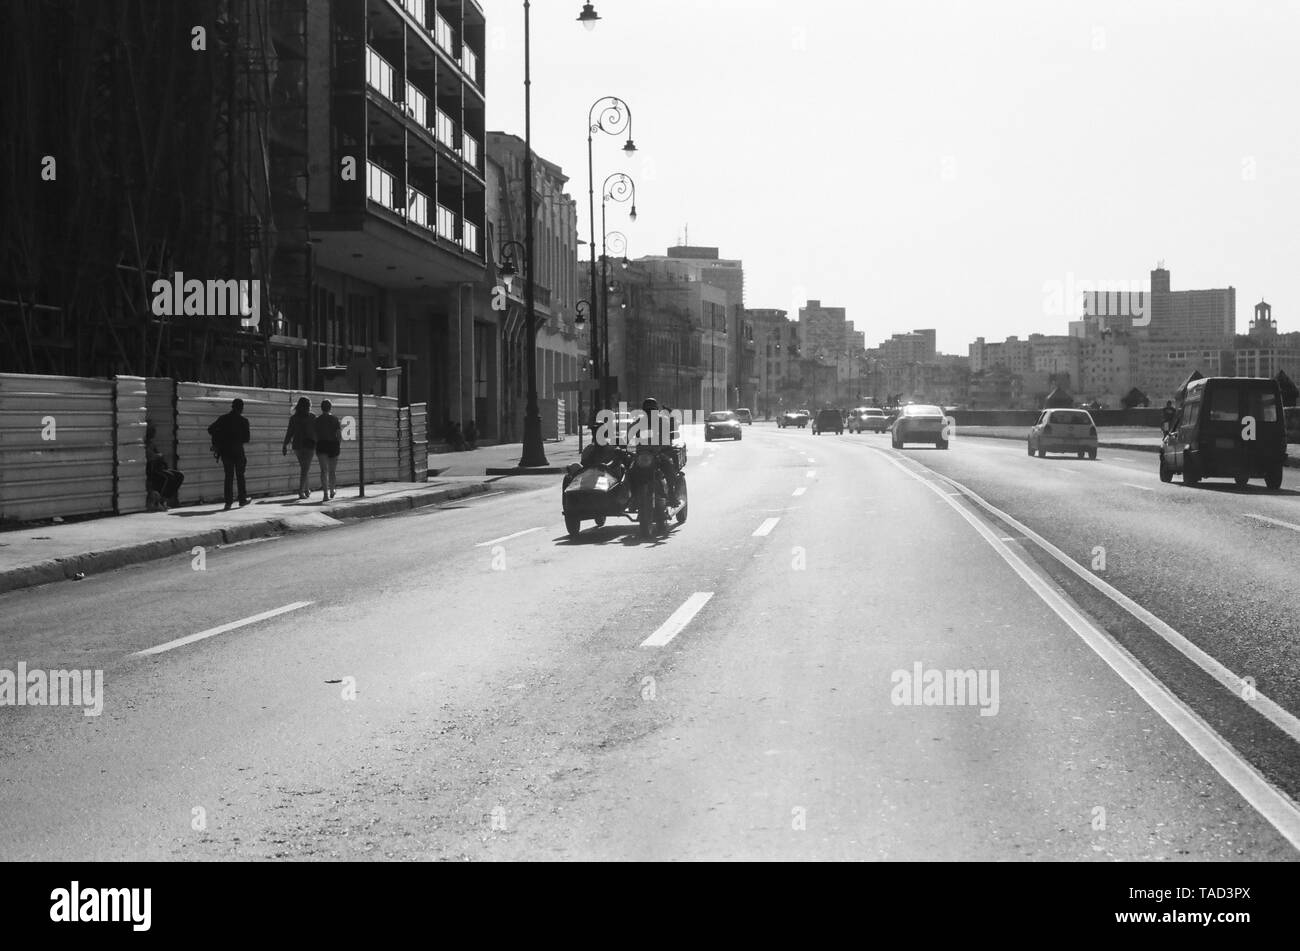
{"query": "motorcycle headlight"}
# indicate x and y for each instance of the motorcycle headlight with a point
(645, 460)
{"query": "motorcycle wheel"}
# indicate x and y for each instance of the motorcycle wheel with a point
(681, 494)
(573, 525)
(645, 509)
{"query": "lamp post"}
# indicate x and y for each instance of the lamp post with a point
(617, 187)
(610, 115)
(616, 242)
(511, 254)
(534, 455)
(582, 312)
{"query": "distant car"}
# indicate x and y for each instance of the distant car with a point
(745, 416)
(918, 422)
(792, 418)
(1228, 427)
(828, 421)
(1064, 430)
(868, 419)
(721, 425)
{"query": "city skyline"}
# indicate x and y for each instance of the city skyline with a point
(1094, 170)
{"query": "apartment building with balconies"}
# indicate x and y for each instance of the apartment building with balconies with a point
(397, 189)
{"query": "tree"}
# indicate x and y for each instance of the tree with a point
(1135, 398)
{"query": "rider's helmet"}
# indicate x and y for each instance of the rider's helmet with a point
(651, 405)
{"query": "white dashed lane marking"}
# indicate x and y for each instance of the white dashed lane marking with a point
(766, 528)
(222, 629)
(506, 538)
(1274, 521)
(679, 619)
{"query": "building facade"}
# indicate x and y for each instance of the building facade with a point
(397, 191)
(562, 348)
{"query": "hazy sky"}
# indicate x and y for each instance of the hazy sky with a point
(935, 164)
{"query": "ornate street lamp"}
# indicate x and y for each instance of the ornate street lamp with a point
(612, 116)
(621, 188)
(534, 455)
(588, 17)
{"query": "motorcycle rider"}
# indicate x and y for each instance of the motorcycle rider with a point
(666, 455)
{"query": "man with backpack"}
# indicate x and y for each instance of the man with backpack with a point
(230, 434)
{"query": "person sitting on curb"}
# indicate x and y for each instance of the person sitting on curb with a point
(163, 482)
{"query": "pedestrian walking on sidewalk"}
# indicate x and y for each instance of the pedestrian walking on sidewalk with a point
(229, 436)
(301, 435)
(471, 434)
(329, 437)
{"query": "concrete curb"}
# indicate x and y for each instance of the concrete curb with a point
(97, 562)
(1292, 462)
(544, 471)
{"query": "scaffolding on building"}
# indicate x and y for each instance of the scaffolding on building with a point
(145, 138)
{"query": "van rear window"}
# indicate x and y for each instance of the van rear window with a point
(1224, 407)
(1263, 406)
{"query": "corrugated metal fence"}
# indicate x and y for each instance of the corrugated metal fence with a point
(72, 446)
(57, 445)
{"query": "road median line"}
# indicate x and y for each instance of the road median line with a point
(1270, 802)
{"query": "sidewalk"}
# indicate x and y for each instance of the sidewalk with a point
(504, 460)
(44, 553)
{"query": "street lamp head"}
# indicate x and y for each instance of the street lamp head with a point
(633, 214)
(588, 17)
(629, 148)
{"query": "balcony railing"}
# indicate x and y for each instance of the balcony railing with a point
(379, 186)
(470, 241)
(469, 63)
(446, 223)
(416, 9)
(469, 150)
(417, 208)
(444, 130)
(442, 34)
(417, 105)
(379, 74)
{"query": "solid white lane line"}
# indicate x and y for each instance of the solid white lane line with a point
(766, 528)
(1144, 488)
(498, 541)
(680, 618)
(1274, 521)
(214, 631)
(800, 491)
(1230, 681)
(1269, 802)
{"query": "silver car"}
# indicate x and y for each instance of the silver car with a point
(919, 422)
(1064, 430)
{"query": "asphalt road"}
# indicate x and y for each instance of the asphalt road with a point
(468, 683)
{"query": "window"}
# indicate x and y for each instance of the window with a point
(1263, 406)
(1071, 418)
(1224, 404)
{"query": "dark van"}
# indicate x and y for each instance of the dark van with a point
(1228, 428)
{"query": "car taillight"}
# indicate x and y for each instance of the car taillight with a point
(1092, 430)
(1047, 429)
